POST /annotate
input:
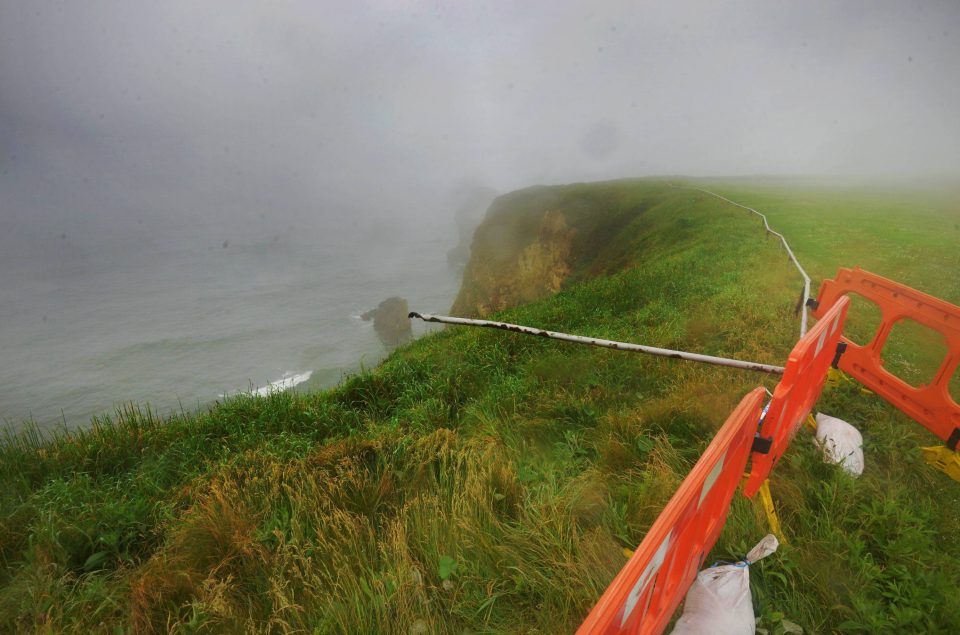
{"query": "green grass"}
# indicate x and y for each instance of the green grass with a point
(907, 235)
(479, 481)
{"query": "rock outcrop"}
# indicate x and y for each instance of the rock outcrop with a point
(390, 321)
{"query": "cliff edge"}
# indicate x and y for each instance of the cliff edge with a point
(533, 241)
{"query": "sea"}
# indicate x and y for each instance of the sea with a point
(180, 322)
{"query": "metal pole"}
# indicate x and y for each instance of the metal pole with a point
(592, 341)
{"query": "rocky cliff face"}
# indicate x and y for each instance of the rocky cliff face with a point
(499, 276)
(533, 241)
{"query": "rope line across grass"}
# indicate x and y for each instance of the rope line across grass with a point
(769, 230)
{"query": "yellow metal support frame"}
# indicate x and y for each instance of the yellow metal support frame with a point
(944, 459)
(766, 504)
(766, 500)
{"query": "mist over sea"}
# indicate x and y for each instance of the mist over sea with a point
(180, 319)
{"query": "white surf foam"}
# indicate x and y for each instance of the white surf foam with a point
(288, 381)
(358, 319)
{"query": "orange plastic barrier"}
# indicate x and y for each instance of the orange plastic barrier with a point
(930, 405)
(644, 595)
(797, 392)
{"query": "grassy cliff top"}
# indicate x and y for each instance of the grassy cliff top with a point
(478, 481)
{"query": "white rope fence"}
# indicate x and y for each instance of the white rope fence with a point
(766, 225)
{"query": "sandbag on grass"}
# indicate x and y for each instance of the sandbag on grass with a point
(719, 601)
(840, 443)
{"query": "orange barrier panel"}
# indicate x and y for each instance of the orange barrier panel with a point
(644, 595)
(797, 392)
(930, 405)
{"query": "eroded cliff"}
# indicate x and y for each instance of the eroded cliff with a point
(535, 240)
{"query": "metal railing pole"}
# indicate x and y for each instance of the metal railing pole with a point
(593, 341)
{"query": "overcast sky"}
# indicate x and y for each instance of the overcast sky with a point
(122, 115)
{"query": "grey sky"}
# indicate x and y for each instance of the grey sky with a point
(119, 115)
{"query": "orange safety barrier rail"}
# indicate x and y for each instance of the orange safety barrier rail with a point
(644, 595)
(930, 405)
(795, 395)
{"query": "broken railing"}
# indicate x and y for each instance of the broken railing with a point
(644, 595)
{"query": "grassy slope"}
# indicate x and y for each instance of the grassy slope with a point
(906, 235)
(479, 481)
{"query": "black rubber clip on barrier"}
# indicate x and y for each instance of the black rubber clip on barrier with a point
(761, 445)
(954, 439)
(841, 349)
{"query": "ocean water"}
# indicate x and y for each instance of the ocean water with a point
(180, 322)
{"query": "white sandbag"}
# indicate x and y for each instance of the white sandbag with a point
(719, 601)
(840, 443)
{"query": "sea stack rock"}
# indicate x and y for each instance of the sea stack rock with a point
(390, 321)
